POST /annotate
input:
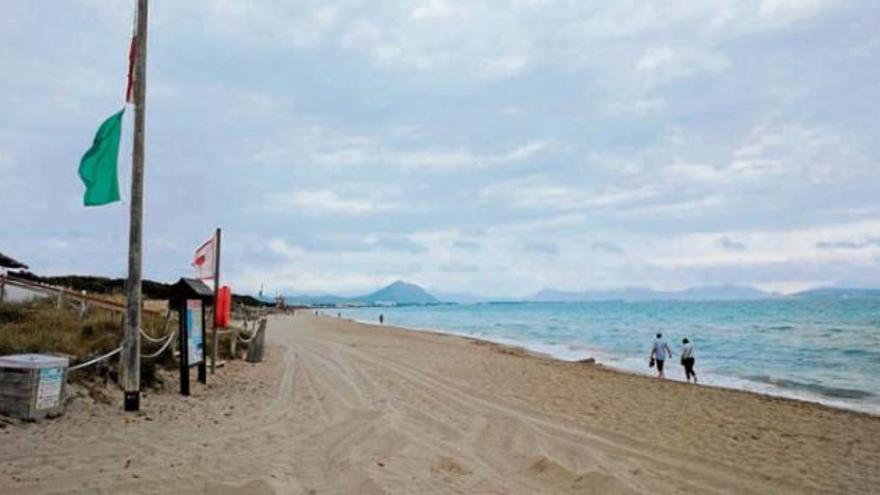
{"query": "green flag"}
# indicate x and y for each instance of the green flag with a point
(97, 169)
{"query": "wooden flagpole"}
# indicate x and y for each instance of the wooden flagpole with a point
(131, 343)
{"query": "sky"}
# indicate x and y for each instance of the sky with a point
(493, 147)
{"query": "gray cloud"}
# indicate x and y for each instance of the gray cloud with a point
(343, 243)
(731, 244)
(848, 244)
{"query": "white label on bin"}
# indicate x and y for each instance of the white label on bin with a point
(49, 388)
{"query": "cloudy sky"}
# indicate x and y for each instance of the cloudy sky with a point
(493, 147)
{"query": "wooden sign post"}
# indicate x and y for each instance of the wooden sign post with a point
(191, 298)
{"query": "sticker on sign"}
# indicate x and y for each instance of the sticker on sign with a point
(49, 388)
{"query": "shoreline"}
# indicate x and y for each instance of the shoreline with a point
(798, 446)
(829, 403)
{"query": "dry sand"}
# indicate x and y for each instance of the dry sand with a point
(340, 407)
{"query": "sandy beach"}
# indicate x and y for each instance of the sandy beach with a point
(341, 407)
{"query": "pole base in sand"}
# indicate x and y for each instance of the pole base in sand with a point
(133, 401)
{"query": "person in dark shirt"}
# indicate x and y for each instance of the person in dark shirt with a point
(687, 360)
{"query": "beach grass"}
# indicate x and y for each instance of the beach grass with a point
(40, 327)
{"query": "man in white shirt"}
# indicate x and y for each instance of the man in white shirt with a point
(659, 353)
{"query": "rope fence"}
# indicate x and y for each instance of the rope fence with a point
(168, 339)
(259, 325)
(164, 331)
(162, 349)
(96, 360)
(248, 340)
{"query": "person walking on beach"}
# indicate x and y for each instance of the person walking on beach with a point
(687, 360)
(659, 353)
(381, 319)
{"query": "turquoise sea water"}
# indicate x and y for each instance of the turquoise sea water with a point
(820, 350)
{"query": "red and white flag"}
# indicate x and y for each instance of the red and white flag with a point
(203, 262)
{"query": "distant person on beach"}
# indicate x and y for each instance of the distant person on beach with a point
(381, 319)
(687, 360)
(659, 353)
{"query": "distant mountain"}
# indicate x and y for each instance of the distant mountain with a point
(724, 293)
(400, 293)
(838, 293)
(707, 293)
(397, 293)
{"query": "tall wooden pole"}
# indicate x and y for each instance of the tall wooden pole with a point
(131, 342)
(214, 340)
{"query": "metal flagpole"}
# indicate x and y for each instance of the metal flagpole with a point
(131, 344)
(214, 341)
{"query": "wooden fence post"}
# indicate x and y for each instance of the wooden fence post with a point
(83, 309)
(233, 345)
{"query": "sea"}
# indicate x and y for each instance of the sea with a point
(824, 350)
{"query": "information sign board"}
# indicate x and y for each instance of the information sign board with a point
(195, 337)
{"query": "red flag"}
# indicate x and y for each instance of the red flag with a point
(132, 55)
(203, 261)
